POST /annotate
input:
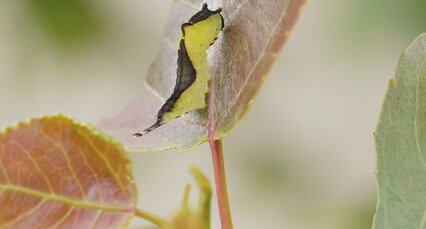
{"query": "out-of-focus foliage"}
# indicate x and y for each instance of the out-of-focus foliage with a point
(409, 14)
(66, 22)
(400, 145)
(367, 22)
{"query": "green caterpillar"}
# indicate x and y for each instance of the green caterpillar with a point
(192, 73)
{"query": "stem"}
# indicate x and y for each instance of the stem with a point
(160, 222)
(218, 161)
(220, 181)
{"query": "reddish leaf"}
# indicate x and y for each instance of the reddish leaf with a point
(240, 60)
(56, 173)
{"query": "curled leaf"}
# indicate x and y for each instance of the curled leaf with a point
(56, 173)
(240, 60)
(188, 218)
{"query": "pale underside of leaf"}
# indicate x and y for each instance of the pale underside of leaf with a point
(240, 60)
(401, 145)
(57, 173)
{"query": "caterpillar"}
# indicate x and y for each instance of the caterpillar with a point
(192, 76)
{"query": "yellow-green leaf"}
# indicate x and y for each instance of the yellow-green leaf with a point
(57, 173)
(188, 218)
(401, 145)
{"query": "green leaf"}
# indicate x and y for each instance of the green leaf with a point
(239, 61)
(401, 145)
(188, 218)
(57, 173)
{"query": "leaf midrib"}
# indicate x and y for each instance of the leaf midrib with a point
(234, 101)
(65, 200)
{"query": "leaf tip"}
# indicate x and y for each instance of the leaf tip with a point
(200, 179)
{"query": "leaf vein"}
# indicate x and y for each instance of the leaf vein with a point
(103, 158)
(415, 121)
(235, 99)
(35, 164)
(68, 161)
(237, 10)
(63, 199)
(2, 167)
(96, 219)
(22, 216)
(91, 170)
(63, 218)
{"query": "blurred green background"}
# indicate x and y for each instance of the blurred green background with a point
(303, 157)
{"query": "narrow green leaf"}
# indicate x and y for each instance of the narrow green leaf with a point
(189, 218)
(401, 145)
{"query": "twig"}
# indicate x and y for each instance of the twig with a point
(160, 222)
